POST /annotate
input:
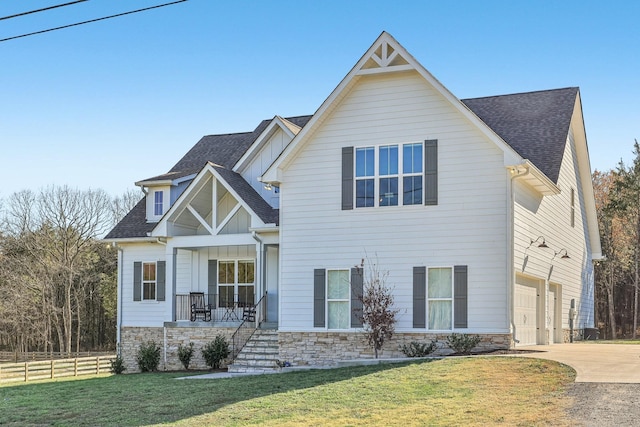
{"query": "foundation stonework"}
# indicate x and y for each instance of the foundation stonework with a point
(325, 348)
(169, 339)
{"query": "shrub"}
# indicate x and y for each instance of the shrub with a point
(463, 343)
(185, 353)
(216, 351)
(148, 356)
(117, 365)
(418, 349)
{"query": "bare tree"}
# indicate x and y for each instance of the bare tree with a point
(378, 313)
(122, 205)
(54, 246)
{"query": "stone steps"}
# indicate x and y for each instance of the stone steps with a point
(259, 354)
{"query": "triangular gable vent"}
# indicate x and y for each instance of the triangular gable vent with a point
(385, 56)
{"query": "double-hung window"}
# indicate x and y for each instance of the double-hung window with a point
(148, 281)
(385, 172)
(158, 203)
(338, 299)
(236, 283)
(440, 298)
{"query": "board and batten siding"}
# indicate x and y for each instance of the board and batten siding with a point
(551, 217)
(265, 157)
(467, 227)
(141, 313)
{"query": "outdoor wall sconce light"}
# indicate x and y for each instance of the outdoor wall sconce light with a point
(542, 244)
(564, 256)
(267, 187)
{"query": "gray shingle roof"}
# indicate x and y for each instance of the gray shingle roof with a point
(267, 214)
(134, 224)
(224, 150)
(534, 124)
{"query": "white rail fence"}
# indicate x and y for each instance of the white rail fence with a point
(55, 368)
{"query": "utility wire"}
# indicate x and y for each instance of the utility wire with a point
(41, 10)
(92, 20)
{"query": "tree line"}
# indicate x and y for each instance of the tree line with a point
(57, 278)
(617, 194)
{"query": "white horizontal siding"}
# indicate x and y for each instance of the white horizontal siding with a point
(468, 227)
(550, 217)
(141, 313)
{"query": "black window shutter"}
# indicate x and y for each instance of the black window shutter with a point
(319, 298)
(431, 172)
(212, 280)
(419, 297)
(357, 282)
(161, 274)
(137, 281)
(347, 178)
(460, 296)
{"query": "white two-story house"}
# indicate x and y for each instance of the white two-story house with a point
(479, 211)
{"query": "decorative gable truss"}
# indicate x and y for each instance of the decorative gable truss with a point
(215, 205)
(384, 58)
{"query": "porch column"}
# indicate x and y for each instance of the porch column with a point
(170, 257)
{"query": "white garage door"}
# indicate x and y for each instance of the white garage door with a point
(526, 312)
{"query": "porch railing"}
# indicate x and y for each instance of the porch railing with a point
(223, 309)
(248, 327)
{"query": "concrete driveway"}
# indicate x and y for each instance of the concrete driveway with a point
(594, 362)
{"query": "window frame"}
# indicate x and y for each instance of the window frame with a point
(377, 176)
(451, 299)
(329, 300)
(144, 283)
(236, 284)
(158, 203)
(572, 218)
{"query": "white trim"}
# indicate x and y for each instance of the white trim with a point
(226, 219)
(196, 185)
(276, 122)
(451, 299)
(201, 220)
(272, 174)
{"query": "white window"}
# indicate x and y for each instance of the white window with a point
(440, 298)
(382, 175)
(338, 301)
(158, 206)
(236, 283)
(148, 281)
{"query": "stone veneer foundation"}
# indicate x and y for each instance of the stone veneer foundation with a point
(169, 338)
(325, 348)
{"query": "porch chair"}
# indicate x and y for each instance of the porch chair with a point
(249, 313)
(198, 306)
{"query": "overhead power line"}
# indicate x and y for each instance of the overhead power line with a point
(92, 20)
(42, 10)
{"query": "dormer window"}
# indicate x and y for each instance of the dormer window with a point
(158, 205)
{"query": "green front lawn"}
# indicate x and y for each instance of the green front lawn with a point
(452, 391)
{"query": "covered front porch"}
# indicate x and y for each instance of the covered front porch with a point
(226, 284)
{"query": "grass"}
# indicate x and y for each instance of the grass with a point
(452, 391)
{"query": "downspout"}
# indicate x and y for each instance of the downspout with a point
(119, 296)
(516, 171)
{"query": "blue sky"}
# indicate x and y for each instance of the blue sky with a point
(106, 104)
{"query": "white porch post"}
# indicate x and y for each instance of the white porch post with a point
(170, 257)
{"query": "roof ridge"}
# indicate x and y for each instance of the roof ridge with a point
(521, 93)
(227, 134)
